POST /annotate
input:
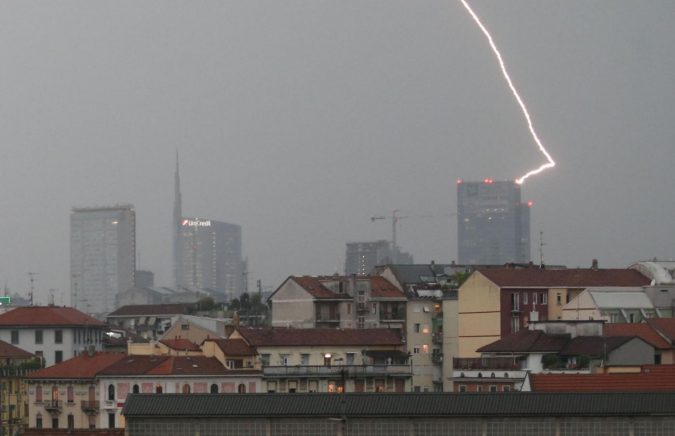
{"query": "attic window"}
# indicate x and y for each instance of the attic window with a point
(185, 326)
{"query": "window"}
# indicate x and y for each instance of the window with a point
(568, 297)
(534, 298)
(265, 359)
(515, 324)
(55, 422)
(38, 394)
(185, 326)
(284, 359)
(58, 356)
(425, 348)
(425, 329)
(544, 298)
(313, 385)
(373, 309)
(92, 421)
(70, 394)
(58, 336)
(479, 388)
(462, 388)
(111, 420)
(416, 349)
(350, 358)
(417, 327)
(525, 298)
(111, 392)
(304, 359)
(506, 388)
(159, 389)
(186, 388)
(214, 388)
(349, 308)
(38, 420)
(71, 422)
(515, 301)
(272, 387)
(38, 337)
(416, 308)
(493, 388)
(558, 298)
(15, 337)
(135, 389)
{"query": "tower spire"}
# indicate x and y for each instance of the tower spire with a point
(176, 224)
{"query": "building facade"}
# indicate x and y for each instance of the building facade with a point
(361, 258)
(493, 225)
(102, 256)
(210, 257)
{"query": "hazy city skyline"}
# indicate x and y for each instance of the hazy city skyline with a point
(299, 120)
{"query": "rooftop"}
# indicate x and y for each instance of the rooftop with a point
(82, 366)
(353, 405)
(651, 378)
(47, 316)
(9, 351)
(563, 278)
(644, 331)
(234, 347)
(153, 309)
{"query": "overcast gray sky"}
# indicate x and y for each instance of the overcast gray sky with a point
(301, 119)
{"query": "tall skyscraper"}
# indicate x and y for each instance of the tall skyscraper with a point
(493, 225)
(362, 257)
(207, 253)
(102, 256)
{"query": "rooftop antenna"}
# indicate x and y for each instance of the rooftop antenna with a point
(541, 248)
(31, 277)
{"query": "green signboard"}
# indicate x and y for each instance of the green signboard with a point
(5, 300)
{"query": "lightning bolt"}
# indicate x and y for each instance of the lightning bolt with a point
(550, 163)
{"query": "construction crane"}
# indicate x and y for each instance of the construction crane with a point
(394, 223)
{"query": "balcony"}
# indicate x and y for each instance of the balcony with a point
(437, 338)
(392, 317)
(53, 406)
(329, 319)
(437, 358)
(347, 371)
(90, 407)
(362, 308)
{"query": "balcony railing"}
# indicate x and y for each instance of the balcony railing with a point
(347, 371)
(53, 406)
(485, 363)
(437, 338)
(393, 316)
(328, 318)
(437, 358)
(90, 407)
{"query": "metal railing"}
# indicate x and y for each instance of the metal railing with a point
(349, 371)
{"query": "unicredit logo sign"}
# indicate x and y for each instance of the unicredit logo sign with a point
(196, 223)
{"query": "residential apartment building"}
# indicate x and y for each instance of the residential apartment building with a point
(338, 302)
(90, 390)
(15, 365)
(102, 256)
(493, 225)
(495, 302)
(51, 333)
(330, 360)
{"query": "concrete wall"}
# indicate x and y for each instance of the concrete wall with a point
(292, 306)
(634, 352)
(478, 314)
(450, 341)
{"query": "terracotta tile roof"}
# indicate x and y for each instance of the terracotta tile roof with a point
(82, 366)
(133, 365)
(651, 378)
(665, 326)
(47, 316)
(234, 347)
(189, 365)
(9, 351)
(258, 337)
(527, 341)
(563, 278)
(313, 285)
(153, 309)
(180, 344)
(593, 345)
(383, 288)
(644, 331)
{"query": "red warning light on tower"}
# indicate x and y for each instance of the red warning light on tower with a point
(530, 203)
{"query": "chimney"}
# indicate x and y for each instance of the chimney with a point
(594, 265)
